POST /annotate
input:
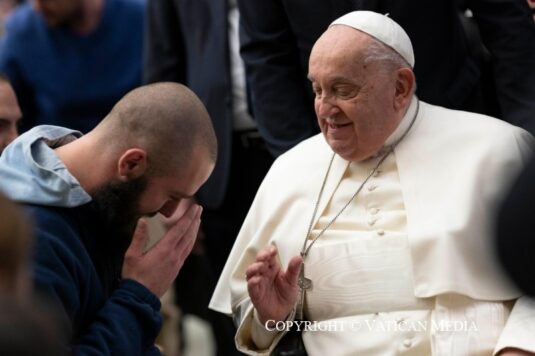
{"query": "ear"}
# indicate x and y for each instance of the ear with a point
(132, 164)
(405, 82)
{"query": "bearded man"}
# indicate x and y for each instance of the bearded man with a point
(87, 194)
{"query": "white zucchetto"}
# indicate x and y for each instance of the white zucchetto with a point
(382, 28)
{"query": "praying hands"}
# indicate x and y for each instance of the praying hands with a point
(272, 290)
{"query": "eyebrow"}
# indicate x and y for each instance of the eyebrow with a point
(336, 79)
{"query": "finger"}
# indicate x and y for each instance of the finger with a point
(180, 228)
(180, 210)
(185, 243)
(267, 254)
(258, 284)
(257, 268)
(273, 258)
(139, 240)
(255, 289)
(294, 267)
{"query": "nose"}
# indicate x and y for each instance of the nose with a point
(325, 107)
(12, 133)
(37, 5)
(168, 208)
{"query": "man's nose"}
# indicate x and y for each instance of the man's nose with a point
(37, 5)
(12, 134)
(326, 107)
(168, 208)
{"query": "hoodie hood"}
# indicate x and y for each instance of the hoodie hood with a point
(32, 173)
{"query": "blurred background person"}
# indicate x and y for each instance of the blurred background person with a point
(196, 43)
(6, 7)
(516, 226)
(69, 61)
(26, 329)
(15, 245)
(10, 113)
(452, 69)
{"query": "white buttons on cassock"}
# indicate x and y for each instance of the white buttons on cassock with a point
(380, 232)
(372, 187)
(374, 211)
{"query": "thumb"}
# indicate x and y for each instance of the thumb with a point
(294, 267)
(139, 240)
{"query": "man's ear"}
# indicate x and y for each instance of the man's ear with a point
(405, 82)
(132, 164)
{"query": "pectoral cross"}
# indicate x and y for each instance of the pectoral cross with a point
(302, 281)
(304, 284)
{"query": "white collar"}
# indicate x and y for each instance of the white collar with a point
(403, 125)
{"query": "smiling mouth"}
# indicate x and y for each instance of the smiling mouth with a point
(337, 126)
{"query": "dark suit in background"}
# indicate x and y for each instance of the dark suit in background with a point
(516, 231)
(451, 67)
(187, 42)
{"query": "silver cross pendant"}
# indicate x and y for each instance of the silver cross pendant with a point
(303, 282)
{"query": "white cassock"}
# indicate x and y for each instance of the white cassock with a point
(407, 268)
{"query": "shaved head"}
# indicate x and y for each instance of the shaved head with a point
(167, 120)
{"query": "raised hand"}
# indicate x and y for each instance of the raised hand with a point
(272, 290)
(158, 267)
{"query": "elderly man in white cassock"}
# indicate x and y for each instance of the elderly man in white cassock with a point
(377, 231)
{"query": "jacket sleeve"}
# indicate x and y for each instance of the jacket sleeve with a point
(280, 98)
(508, 31)
(164, 52)
(126, 323)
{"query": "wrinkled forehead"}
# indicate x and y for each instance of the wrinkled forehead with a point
(342, 39)
(339, 47)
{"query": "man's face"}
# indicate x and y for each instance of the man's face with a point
(58, 12)
(123, 203)
(354, 100)
(163, 193)
(10, 115)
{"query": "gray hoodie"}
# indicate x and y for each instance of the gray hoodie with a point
(31, 172)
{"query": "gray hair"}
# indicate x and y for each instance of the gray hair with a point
(379, 52)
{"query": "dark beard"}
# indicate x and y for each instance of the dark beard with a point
(116, 205)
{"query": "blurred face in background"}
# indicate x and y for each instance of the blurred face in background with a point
(59, 12)
(10, 114)
(531, 4)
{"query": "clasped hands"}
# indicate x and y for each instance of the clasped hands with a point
(158, 267)
(272, 290)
